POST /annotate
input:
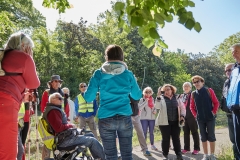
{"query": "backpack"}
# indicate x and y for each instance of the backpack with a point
(2, 72)
(44, 130)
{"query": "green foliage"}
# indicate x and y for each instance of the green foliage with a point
(60, 5)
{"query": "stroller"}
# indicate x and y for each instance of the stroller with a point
(71, 153)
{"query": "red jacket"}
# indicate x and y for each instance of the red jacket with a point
(18, 62)
(44, 102)
(214, 102)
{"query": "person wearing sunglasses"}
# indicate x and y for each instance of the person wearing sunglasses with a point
(233, 97)
(171, 112)
(66, 133)
(54, 86)
(85, 112)
(20, 73)
(204, 106)
(115, 83)
(147, 114)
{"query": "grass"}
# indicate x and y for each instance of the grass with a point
(226, 153)
(221, 122)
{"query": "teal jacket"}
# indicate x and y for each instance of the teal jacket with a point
(115, 83)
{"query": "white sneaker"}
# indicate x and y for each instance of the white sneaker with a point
(212, 157)
(205, 157)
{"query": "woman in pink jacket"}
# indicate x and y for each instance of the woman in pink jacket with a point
(21, 73)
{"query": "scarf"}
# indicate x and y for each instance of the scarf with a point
(150, 102)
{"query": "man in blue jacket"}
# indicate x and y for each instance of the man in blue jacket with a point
(233, 95)
(86, 112)
(115, 83)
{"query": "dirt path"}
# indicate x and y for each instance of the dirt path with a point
(222, 141)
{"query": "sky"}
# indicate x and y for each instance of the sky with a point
(219, 19)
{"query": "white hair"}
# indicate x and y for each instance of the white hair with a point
(52, 96)
(235, 45)
(187, 84)
(66, 89)
(17, 39)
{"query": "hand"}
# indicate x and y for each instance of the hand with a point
(76, 119)
(182, 118)
(27, 97)
(154, 112)
(146, 99)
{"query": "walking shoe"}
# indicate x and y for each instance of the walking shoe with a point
(205, 157)
(165, 157)
(212, 157)
(195, 152)
(147, 153)
(184, 151)
(179, 156)
(154, 148)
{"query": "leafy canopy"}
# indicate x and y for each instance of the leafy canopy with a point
(147, 15)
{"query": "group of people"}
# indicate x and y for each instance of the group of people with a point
(122, 106)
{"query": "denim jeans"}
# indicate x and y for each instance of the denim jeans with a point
(87, 140)
(108, 128)
(148, 124)
(207, 130)
(231, 136)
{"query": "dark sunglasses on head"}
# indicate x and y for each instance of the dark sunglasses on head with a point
(196, 82)
(83, 86)
(228, 70)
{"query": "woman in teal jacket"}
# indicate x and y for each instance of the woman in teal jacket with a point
(115, 83)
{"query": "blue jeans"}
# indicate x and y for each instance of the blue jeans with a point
(148, 124)
(108, 128)
(87, 140)
(207, 130)
(231, 136)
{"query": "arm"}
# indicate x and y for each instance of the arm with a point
(193, 107)
(30, 74)
(92, 89)
(44, 100)
(55, 119)
(214, 101)
(142, 103)
(67, 110)
(76, 106)
(182, 107)
(158, 102)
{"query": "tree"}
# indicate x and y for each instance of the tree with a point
(147, 15)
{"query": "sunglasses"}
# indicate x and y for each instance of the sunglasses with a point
(196, 82)
(228, 70)
(83, 86)
(148, 92)
(59, 98)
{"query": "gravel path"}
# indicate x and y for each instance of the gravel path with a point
(222, 141)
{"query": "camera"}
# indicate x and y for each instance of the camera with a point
(181, 123)
(66, 95)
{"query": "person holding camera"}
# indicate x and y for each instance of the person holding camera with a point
(20, 70)
(54, 86)
(72, 113)
(169, 119)
(85, 112)
(190, 122)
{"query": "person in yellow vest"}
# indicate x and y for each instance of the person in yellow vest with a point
(20, 126)
(85, 112)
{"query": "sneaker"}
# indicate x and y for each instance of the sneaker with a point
(147, 153)
(195, 152)
(212, 157)
(179, 156)
(184, 151)
(205, 157)
(165, 157)
(154, 148)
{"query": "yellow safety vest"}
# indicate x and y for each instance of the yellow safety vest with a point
(21, 113)
(83, 106)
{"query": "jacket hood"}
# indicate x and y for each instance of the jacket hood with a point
(112, 68)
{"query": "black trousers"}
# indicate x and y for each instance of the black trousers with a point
(171, 130)
(191, 125)
(24, 132)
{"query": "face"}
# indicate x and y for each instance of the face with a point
(168, 91)
(198, 83)
(57, 100)
(148, 93)
(236, 53)
(27, 49)
(228, 71)
(186, 88)
(56, 84)
(65, 91)
(83, 87)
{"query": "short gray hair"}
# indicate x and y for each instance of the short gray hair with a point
(187, 83)
(235, 45)
(66, 89)
(52, 96)
(16, 39)
(229, 64)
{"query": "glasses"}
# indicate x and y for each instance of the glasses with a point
(228, 70)
(59, 98)
(196, 82)
(83, 86)
(148, 92)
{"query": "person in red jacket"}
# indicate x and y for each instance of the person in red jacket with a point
(204, 105)
(54, 87)
(18, 59)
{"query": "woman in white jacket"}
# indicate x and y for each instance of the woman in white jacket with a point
(147, 114)
(171, 114)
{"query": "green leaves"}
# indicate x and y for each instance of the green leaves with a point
(148, 42)
(153, 33)
(119, 6)
(189, 24)
(197, 27)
